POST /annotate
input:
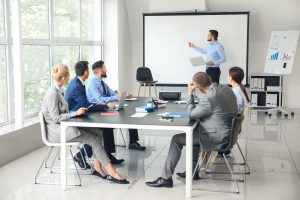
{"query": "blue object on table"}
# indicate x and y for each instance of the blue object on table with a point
(176, 114)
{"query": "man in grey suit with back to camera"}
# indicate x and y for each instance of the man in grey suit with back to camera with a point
(215, 111)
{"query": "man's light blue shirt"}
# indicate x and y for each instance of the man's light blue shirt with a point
(95, 92)
(214, 51)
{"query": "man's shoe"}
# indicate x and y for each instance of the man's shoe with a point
(161, 182)
(183, 175)
(81, 161)
(136, 146)
(114, 160)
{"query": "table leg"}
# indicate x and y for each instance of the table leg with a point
(63, 159)
(189, 163)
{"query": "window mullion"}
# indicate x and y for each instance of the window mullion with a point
(9, 62)
(18, 65)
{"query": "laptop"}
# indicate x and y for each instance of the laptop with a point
(121, 103)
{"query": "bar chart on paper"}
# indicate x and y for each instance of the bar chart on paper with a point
(286, 57)
(274, 56)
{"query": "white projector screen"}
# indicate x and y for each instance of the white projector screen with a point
(166, 37)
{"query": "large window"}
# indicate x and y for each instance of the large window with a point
(91, 53)
(35, 19)
(52, 32)
(68, 55)
(3, 68)
(66, 18)
(36, 76)
(1, 19)
(91, 16)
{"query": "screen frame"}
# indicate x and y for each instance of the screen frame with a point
(247, 13)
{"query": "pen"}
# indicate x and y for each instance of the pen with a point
(90, 106)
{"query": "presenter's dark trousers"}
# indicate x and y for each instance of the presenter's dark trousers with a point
(214, 73)
(109, 141)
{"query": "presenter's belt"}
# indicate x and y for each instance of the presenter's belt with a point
(213, 66)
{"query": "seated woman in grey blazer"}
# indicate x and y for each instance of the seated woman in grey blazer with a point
(55, 109)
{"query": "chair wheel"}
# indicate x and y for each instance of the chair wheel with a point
(279, 112)
(266, 112)
(270, 114)
(292, 114)
(286, 115)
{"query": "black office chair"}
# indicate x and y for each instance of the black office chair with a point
(144, 78)
(236, 127)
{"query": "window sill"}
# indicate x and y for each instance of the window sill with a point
(7, 128)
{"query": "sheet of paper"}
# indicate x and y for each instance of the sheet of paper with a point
(131, 99)
(139, 115)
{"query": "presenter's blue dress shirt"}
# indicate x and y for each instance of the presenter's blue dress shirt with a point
(214, 51)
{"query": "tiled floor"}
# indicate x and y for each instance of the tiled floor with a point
(271, 146)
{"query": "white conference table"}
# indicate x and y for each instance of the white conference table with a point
(123, 120)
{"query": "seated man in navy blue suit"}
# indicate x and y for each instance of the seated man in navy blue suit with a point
(76, 98)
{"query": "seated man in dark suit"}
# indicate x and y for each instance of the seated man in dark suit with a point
(76, 98)
(214, 112)
(99, 91)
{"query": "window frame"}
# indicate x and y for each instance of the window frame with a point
(7, 42)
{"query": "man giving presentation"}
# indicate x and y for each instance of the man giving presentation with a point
(215, 55)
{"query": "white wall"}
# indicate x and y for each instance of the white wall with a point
(16, 144)
(125, 49)
(117, 44)
(111, 42)
(265, 16)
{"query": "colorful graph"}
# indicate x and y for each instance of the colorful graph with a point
(286, 57)
(274, 56)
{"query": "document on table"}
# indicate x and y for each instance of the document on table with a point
(139, 115)
(131, 99)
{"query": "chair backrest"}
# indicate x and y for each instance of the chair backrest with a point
(44, 129)
(144, 74)
(236, 128)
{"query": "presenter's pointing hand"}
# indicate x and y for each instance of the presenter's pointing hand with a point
(192, 45)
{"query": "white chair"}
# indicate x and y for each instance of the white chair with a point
(51, 145)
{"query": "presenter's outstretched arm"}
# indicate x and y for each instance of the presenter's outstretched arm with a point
(199, 49)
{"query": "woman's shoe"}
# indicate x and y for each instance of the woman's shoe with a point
(96, 173)
(114, 180)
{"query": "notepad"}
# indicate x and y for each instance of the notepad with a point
(139, 115)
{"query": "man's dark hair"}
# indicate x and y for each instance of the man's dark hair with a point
(202, 80)
(97, 64)
(80, 67)
(214, 33)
